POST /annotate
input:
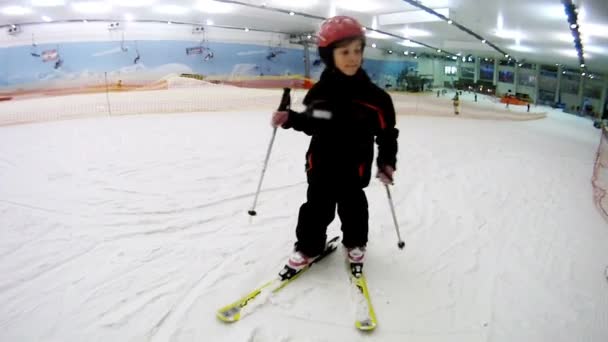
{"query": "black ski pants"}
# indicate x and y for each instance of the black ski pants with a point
(319, 211)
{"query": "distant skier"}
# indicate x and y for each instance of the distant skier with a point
(345, 112)
(456, 102)
(58, 63)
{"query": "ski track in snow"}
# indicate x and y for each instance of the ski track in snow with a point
(135, 229)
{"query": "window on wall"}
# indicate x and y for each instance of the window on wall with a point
(450, 70)
(506, 76)
(548, 73)
(486, 71)
(467, 72)
(592, 88)
(507, 62)
(570, 82)
(547, 81)
(527, 66)
(546, 97)
(527, 78)
(549, 69)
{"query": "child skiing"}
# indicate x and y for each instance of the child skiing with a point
(344, 113)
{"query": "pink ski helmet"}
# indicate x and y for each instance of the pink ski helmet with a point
(338, 28)
(334, 30)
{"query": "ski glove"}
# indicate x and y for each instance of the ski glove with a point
(279, 118)
(385, 174)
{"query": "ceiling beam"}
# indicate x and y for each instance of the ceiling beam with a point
(460, 26)
(411, 17)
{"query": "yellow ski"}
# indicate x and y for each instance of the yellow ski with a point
(233, 312)
(365, 314)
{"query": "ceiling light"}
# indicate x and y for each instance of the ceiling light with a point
(411, 32)
(246, 29)
(434, 3)
(171, 9)
(91, 7)
(46, 18)
(377, 35)
(390, 51)
(309, 36)
(521, 48)
(567, 37)
(520, 64)
(210, 6)
(555, 12)
(499, 21)
(409, 43)
(483, 41)
(209, 22)
(454, 57)
(294, 3)
(332, 10)
(508, 34)
(374, 45)
(596, 30)
(292, 13)
(406, 53)
(572, 53)
(134, 3)
(359, 6)
(583, 74)
(582, 65)
(573, 26)
(597, 49)
(507, 56)
(47, 3)
(16, 10)
(438, 50)
(450, 22)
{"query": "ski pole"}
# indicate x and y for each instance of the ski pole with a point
(284, 105)
(400, 243)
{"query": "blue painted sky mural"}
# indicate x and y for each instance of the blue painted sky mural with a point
(150, 60)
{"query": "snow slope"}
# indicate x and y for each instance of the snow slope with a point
(135, 228)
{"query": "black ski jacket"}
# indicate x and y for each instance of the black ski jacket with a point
(343, 116)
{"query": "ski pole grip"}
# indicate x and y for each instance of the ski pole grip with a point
(285, 100)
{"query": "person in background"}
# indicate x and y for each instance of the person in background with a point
(456, 102)
(345, 113)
